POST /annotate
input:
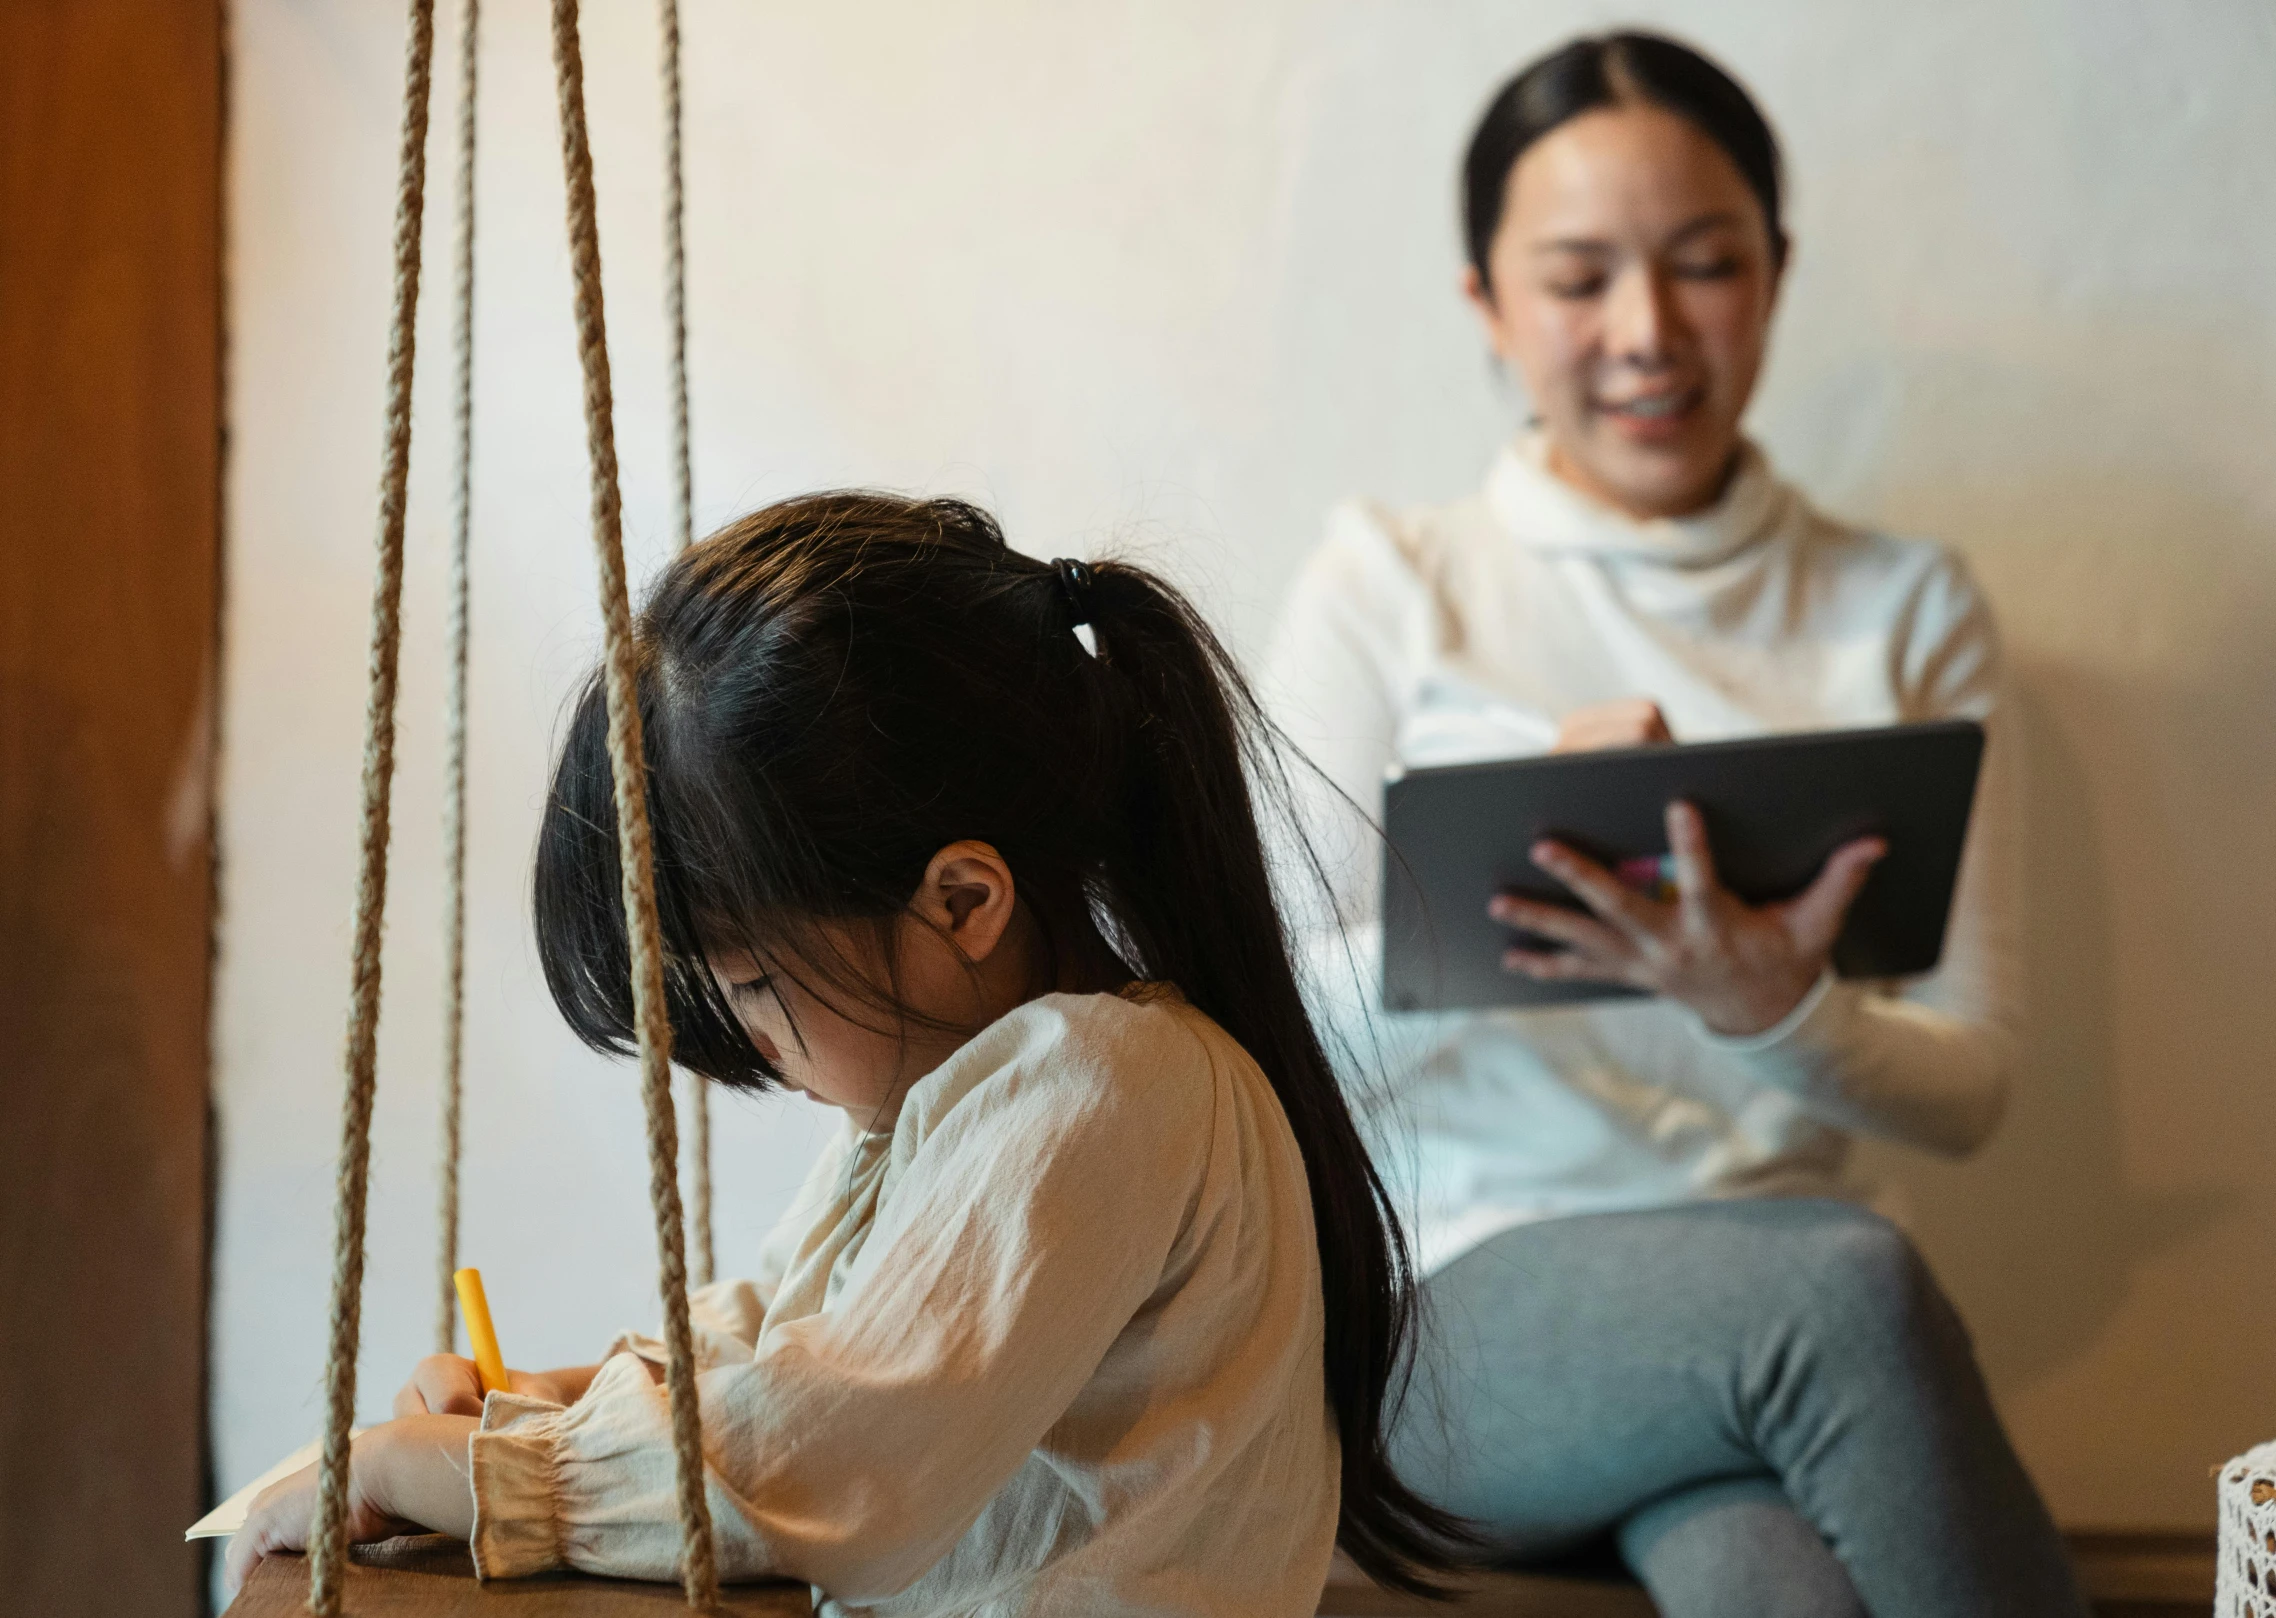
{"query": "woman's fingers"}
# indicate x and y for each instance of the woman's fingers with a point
(1627, 722)
(1565, 966)
(1573, 927)
(1594, 952)
(1599, 889)
(1814, 916)
(1697, 887)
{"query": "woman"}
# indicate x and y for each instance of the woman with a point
(1657, 1312)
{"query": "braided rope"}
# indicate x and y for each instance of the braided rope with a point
(329, 1542)
(699, 1148)
(683, 521)
(699, 1568)
(676, 279)
(454, 729)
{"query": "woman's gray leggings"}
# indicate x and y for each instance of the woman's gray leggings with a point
(1769, 1403)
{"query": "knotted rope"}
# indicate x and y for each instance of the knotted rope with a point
(683, 515)
(651, 1023)
(454, 728)
(328, 1544)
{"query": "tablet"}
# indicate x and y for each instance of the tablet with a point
(1775, 807)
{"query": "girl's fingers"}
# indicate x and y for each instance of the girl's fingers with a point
(1600, 890)
(443, 1385)
(1696, 885)
(1583, 932)
(241, 1558)
(278, 1520)
(1814, 916)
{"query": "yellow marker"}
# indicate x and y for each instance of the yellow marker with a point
(476, 1307)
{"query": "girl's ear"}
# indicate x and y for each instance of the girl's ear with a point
(968, 897)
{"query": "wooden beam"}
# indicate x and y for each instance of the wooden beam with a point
(2125, 1575)
(110, 433)
(429, 1577)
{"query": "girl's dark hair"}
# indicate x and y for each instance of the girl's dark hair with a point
(835, 688)
(1611, 70)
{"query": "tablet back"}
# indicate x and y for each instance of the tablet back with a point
(1775, 807)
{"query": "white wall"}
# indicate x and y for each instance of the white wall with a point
(1179, 274)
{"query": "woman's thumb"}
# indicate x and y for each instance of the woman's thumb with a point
(1816, 914)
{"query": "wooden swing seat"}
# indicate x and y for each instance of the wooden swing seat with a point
(428, 1576)
(2125, 1575)
(1351, 1594)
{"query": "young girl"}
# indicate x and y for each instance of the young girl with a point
(1094, 1304)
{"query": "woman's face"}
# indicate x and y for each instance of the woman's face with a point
(1632, 284)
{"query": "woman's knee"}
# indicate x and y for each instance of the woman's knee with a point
(1864, 1286)
(1736, 1548)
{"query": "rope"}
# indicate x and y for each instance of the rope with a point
(329, 1547)
(699, 1148)
(454, 729)
(683, 518)
(699, 1568)
(676, 279)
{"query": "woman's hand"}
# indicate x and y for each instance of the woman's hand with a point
(449, 1385)
(404, 1477)
(1741, 967)
(1629, 722)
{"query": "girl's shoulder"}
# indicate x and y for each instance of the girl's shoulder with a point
(1083, 1056)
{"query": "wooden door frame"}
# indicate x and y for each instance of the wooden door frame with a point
(111, 353)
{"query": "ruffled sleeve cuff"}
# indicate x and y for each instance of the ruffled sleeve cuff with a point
(514, 1466)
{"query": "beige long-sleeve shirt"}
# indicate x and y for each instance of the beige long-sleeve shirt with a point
(1460, 633)
(1051, 1345)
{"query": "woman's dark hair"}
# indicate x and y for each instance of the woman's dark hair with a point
(835, 688)
(1612, 70)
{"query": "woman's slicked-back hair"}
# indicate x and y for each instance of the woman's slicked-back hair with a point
(1612, 70)
(833, 689)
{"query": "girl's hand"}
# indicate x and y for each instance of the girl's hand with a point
(283, 1517)
(442, 1385)
(1742, 968)
(407, 1476)
(1629, 722)
(449, 1385)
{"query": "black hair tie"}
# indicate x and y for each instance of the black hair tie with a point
(1075, 581)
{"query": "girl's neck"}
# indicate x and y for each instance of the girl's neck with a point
(1087, 965)
(1024, 966)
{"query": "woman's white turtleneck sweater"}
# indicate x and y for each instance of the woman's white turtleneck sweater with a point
(1459, 633)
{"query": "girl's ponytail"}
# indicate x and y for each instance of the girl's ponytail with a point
(1194, 893)
(836, 687)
